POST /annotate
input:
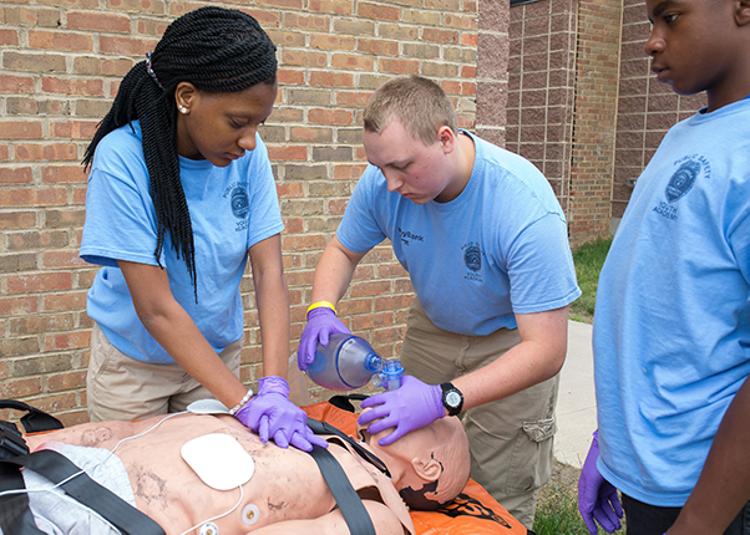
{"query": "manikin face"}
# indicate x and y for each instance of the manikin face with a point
(220, 127)
(430, 464)
(693, 46)
(417, 171)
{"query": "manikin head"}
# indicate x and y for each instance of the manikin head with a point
(701, 45)
(429, 466)
(410, 135)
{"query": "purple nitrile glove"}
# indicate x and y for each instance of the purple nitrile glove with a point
(411, 406)
(321, 324)
(270, 414)
(597, 498)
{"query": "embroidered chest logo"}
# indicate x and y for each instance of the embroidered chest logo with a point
(473, 261)
(239, 203)
(689, 170)
(407, 236)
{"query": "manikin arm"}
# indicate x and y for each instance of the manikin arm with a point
(383, 519)
(539, 356)
(724, 484)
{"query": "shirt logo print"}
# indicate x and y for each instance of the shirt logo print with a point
(473, 257)
(682, 180)
(690, 169)
(240, 203)
(407, 236)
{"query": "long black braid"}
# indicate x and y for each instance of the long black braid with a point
(217, 50)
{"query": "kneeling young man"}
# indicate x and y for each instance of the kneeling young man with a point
(485, 243)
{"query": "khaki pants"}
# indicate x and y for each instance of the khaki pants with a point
(510, 439)
(122, 388)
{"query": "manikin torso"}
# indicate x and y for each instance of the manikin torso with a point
(286, 483)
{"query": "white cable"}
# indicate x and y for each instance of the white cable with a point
(45, 489)
(95, 466)
(139, 435)
(217, 517)
(111, 453)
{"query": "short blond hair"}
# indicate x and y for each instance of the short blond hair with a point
(420, 104)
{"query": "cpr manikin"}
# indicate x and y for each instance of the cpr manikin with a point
(174, 475)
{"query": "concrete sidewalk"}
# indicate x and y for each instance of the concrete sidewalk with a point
(576, 405)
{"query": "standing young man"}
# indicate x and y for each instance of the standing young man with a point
(672, 323)
(485, 243)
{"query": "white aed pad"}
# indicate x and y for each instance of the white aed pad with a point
(207, 406)
(219, 460)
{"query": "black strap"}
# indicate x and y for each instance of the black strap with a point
(56, 467)
(355, 515)
(12, 442)
(344, 401)
(35, 420)
(324, 428)
(15, 515)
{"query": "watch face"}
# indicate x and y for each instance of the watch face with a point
(453, 399)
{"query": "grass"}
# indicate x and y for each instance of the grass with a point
(557, 510)
(558, 514)
(588, 259)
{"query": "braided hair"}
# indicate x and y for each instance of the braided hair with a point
(217, 50)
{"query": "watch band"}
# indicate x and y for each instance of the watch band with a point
(452, 398)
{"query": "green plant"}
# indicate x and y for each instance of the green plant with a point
(588, 259)
(557, 510)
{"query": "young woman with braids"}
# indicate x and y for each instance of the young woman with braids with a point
(180, 193)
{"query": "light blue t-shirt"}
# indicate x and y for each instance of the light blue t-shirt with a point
(231, 209)
(672, 322)
(499, 248)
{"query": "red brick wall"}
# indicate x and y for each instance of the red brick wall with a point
(597, 69)
(491, 71)
(541, 88)
(583, 106)
(561, 100)
(60, 69)
(646, 107)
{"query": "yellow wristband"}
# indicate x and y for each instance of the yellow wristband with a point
(321, 304)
